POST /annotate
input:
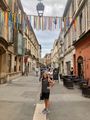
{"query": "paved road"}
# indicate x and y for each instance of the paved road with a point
(67, 104)
(18, 101)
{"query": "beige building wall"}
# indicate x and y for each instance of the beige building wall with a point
(55, 54)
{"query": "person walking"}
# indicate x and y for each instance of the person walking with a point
(45, 91)
(56, 74)
(37, 71)
(71, 71)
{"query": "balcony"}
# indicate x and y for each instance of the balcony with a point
(61, 55)
(3, 31)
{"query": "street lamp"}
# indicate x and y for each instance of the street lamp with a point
(40, 8)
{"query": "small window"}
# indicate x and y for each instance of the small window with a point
(80, 22)
(15, 58)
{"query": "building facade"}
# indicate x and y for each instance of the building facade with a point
(3, 39)
(82, 39)
(47, 60)
(61, 52)
(17, 41)
(77, 34)
(69, 50)
(55, 54)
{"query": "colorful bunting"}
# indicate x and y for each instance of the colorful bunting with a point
(38, 23)
(45, 22)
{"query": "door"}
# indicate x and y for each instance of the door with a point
(68, 64)
(80, 67)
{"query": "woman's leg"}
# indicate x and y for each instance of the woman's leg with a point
(46, 101)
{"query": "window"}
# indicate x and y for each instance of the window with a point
(15, 64)
(9, 63)
(69, 39)
(80, 22)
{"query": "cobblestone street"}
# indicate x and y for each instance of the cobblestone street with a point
(19, 98)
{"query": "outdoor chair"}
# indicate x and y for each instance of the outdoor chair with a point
(86, 90)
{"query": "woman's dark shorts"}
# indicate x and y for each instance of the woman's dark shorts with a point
(45, 95)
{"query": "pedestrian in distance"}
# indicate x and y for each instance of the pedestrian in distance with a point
(37, 71)
(71, 71)
(26, 72)
(56, 74)
(47, 83)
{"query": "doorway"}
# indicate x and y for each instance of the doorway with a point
(68, 65)
(80, 66)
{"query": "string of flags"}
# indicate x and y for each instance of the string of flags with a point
(45, 22)
(51, 23)
(39, 23)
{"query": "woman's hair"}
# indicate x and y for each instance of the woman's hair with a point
(44, 75)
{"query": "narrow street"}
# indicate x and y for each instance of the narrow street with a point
(19, 98)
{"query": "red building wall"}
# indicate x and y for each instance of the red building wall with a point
(83, 49)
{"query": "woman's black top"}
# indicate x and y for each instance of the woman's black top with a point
(45, 86)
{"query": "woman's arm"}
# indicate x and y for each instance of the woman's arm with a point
(51, 82)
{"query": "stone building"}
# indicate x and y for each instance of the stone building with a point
(4, 41)
(32, 48)
(55, 54)
(61, 52)
(47, 60)
(69, 49)
(17, 40)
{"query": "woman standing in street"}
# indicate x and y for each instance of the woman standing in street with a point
(45, 92)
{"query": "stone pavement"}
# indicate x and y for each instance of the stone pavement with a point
(68, 104)
(19, 100)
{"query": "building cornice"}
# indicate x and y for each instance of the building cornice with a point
(67, 7)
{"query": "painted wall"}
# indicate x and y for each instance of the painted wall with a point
(83, 49)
